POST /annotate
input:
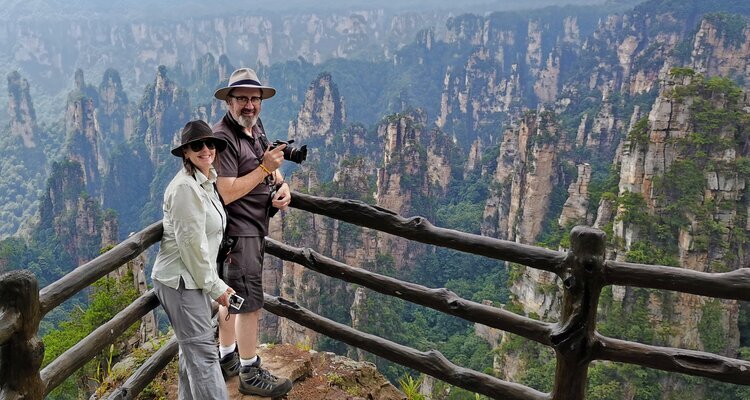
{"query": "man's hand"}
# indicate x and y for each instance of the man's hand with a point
(283, 197)
(273, 158)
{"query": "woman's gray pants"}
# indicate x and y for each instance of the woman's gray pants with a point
(189, 312)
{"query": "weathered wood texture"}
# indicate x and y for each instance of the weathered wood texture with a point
(146, 372)
(432, 362)
(727, 285)
(57, 292)
(21, 353)
(673, 359)
(78, 355)
(573, 336)
(439, 299)
(421, 230)
(10, 321)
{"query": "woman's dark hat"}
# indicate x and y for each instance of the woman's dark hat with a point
(198, 130)
(247, 78)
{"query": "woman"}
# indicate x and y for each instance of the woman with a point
(185, 275)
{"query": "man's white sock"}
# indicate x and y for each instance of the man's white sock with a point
(226, 350)
(251, 361)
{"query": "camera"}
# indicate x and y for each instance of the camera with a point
(235, 301)
(293, 154)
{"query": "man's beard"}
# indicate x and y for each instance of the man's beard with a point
(246, 121)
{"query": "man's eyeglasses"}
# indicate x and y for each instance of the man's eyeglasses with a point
(242, 100)
(198, 145)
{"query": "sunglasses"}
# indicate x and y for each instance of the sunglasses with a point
(198, 145)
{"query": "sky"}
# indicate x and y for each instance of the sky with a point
(176, 9)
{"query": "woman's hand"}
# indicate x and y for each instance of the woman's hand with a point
(224, 298)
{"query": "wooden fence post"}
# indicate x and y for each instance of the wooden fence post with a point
(573, 337)
(22, 355)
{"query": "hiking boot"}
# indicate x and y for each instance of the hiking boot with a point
(230, 364)
(255, 380)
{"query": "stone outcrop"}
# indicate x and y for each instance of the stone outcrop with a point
(547, 83)
(322, 113)
(113, 113)
(315, 376)
(76, 220)
(409, 175)
(498, 204)
(141, 45)
(716, 53)
(526, 175)
(162, 113)
(647, 163)
(472, 93)
(524, 180)
(21, 109)
(24, 160)
(575, 209)
(83, 139)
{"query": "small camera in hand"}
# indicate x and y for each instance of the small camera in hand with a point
(235, 301)
(291, 153)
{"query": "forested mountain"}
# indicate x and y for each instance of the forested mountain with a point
(512, 124)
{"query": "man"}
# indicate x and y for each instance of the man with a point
(248, 173)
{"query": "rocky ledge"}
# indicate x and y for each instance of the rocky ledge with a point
(316, 376)
(321, 375)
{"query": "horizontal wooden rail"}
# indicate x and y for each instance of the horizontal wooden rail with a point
(146, 372)
(421, 230)
(10, 322)
(78, 355)
(432, 362)
(672, 359)
(57, 292)
(726, 285)
(439, 299)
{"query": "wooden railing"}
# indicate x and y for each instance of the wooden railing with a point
(583, 271)
(22, 351)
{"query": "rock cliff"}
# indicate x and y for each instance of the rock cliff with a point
(721, 47)
(575, 209)
(322, 113)
(163, 107)
(84, 142)
(21, 110)
(254, 37)
(689, 132)
(24, 162)
(315, 376)
(526, 174)
(71, 218)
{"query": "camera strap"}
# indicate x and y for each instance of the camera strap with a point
(264, 144)
(270, 180)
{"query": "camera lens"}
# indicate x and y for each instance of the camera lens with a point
(295, 155)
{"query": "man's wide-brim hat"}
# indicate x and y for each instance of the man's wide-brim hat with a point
(245, 78)
(198, 130)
